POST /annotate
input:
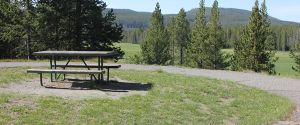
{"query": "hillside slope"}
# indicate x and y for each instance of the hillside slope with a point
(229, 17)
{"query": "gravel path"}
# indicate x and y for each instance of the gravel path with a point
(287, 87)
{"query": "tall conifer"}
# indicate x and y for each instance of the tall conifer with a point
(182, 35)
(155, 48)
(253, 51)
(215, 60)
(196, 49)
(296, 56)
(171, 28)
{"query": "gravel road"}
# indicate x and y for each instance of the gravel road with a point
(287, 87)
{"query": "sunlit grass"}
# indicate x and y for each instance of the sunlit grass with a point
(173, 99)
(9, 75)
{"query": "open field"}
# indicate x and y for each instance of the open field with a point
(283, 65)
(129, 49)
(173, 99)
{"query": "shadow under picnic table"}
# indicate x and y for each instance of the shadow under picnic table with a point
(111, 86)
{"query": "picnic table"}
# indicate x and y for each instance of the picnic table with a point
(82, 55)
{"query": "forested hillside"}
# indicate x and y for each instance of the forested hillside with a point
(135, 24)
(228, 17)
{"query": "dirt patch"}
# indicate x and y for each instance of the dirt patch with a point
(231, 121)
(76, 89)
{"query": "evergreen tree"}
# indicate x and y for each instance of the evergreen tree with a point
(267, 53)
(196, 49)
(78, 25)
(11, 30)
(253, 52)
(182, 34)
(296, 56)
(155, 47)
(215, 42)
(171, 28)
(29, 26)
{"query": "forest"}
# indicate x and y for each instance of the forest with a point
(287, 36)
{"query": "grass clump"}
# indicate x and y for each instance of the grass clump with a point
(12, 75)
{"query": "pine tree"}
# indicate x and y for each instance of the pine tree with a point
(255, 50)
(155, 47)
(296, 56)
(11, 30)
(171, 28)
(182, 34)
(267, 53)
(216, 60)
(78, 25)
(29, 25)
(196, 49)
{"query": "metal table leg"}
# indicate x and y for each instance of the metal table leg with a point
(99, 68)
(41, 78)
(51, 75)
(55, 68)
(102, 68)
(88, 68)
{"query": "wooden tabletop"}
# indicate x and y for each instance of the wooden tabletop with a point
(76, 53)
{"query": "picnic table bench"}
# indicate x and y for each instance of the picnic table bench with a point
(107, 67)
(73, 54)
(41, 71)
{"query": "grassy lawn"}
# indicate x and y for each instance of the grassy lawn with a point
(173, 99)
(8, 75)
(129, 49)
(23, 60)
(284, 65)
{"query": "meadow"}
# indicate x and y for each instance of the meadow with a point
(283, 66)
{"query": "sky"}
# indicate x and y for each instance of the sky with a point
(288, 10)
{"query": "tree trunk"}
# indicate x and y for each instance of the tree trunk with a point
(78, 26)
(28, 30)
(181, 55)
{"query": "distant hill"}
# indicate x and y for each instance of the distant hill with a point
(229, 17)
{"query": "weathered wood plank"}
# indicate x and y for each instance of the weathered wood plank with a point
(65, 71)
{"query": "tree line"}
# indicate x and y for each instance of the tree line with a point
(286, 36)
(33, 25)
(179, 44)
(199, 44)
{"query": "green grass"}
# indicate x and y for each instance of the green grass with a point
(23, 60)
(173, 99)
(284, 65)
(129, 49)
(8, 75)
